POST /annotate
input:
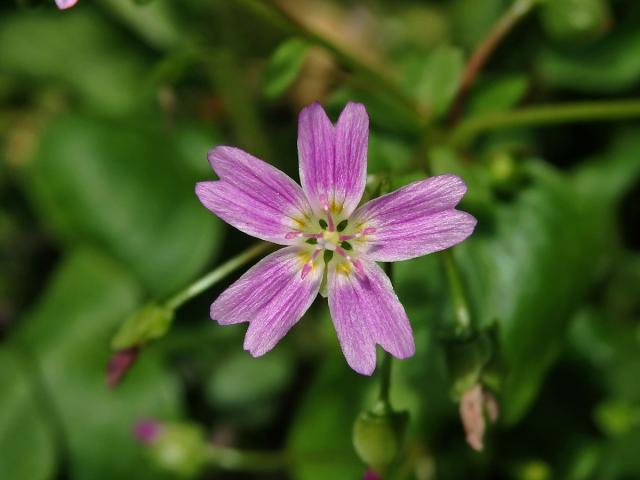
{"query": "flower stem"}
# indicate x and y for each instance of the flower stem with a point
(281, 17)
(518, 10)
(541, 115)
(216, 275)
(385, 363)
(385, 379)
(460, 304)
(247, 460)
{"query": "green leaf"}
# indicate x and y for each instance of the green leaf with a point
(25, 434)
(284, 66)
(123, 188)
(611, 65)
(243, 381)
(498, 94)
(78, 50)
(67, 336)
(434, 81)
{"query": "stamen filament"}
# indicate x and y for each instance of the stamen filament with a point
(309, 265)
(366, 231)
(354, 261)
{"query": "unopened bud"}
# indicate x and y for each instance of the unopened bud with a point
(148, 323)
(177, 447)
(371, 475)
(575, 20)
(146, 431)
(465, 361)
(378, 437)
(119, 365)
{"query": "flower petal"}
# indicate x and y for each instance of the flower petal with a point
(62, 4)
(333, 161)
(253, 196)
(415, 220)
(271, 296)
(365, 312)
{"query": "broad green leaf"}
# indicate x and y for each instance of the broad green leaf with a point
(433, 80)
(122, 188)
(26, 434)
(67, 336)
(498, 94)
(78, 50)
(284, 66)
(242, 380)
(611, 65)
(471, 20)
(387, 155)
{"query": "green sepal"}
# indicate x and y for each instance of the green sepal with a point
(379, 436)
(150, 322)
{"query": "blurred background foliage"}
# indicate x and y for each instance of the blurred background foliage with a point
(106, 113)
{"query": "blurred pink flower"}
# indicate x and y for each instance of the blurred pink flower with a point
(64, 4)
(324, 231)
(147, 430)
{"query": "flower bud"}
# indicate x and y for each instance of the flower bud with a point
(119, 365)
(149, 323)
(465, 361)
(575, 20)
(176, 447)
(378, 436)
(371, 475)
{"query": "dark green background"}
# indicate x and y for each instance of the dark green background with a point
(106, 113)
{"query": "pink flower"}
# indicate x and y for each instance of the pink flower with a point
(64, 4)
(324, 231)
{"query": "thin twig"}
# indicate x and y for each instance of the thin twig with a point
(541, 115)
(483, 51)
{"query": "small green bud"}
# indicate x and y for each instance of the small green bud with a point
(328, 255)
(311, 241)
(148, 323)
(323, 223)
(575, 20)
(180, 449)
(465, 362)
(378, 436)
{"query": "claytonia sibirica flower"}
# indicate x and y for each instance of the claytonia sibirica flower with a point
(64, 4)
(331, 246)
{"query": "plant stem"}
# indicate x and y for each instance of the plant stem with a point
(518, 10)
(385, 379)
(281, 17)
(216, 275)
(545, 115)
(460, 304)
(246, 460)
(385, 364)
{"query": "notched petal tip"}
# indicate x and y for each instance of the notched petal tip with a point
(65, 4)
